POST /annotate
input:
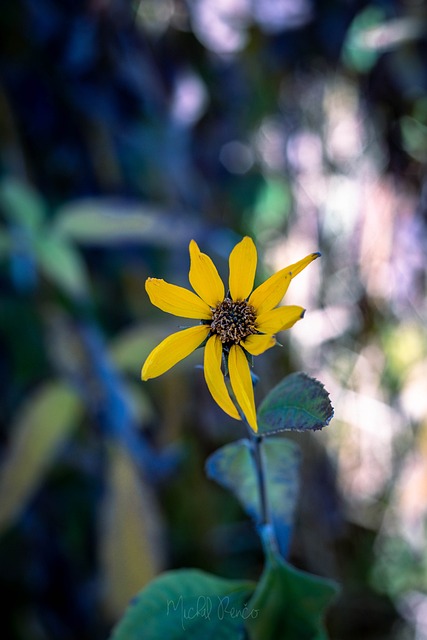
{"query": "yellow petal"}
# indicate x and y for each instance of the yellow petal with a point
(242, 262)
(279, 319)
(299, 266)
(176, 300)
(215, 378)
(173, 349)
(270, 293)
(241, 383)
(257, 344)
(204, 277)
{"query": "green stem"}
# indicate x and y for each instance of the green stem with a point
(265, 526)
(256, 453)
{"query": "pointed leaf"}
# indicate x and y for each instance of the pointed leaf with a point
(62, 264)
(131, 533)
(188, 604)
(43, 425)
(130, 348)
(292, 603)
(297, 403)
(232, 466)
(21, 204)
(112, 221)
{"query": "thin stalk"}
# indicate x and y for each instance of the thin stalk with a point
(256, 453)
(265, 526)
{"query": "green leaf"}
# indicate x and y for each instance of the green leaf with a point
(357, 53)
(6, 243)
(41, 428)
(131, 548)
(398, 569)
(297, 403)
(273, 204)
(414, 137)
(62, 264)
(111, 221)
(21, 204)
(232, 466)
(188, 604)
(370, 35)
(292, 603)
(130, 348)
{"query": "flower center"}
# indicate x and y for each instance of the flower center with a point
(233, 321)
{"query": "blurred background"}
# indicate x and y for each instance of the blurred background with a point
(127, 128)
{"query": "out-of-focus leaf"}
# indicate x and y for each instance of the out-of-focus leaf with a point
(5, 243)
(399, 569)
(129, 349)
(141, 405)
(291, 603)
(414, 137)
(232, 466)
(273, 204)
(22, 264)
(297, 403)
(188, 604)
(62, 264)
(370, 34)
(110, 221)
(42, 426)
(356, 54)
(21, 204)
(405, 345)
(131, 540)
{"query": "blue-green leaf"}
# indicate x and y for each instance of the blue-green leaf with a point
(232, 466)
(111, 221)
(356, 52)
(21, 204)
(371, 34)
(5, 243)
(292, 603)
(297, 403)
(188, 603)
(62, 263)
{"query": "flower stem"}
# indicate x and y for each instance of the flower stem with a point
(265, 526)
(256, 453)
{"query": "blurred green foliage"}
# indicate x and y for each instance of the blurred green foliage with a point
(126, 129)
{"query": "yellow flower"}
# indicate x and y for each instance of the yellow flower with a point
(235, 325)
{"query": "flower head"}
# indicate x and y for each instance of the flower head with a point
(233, 325)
